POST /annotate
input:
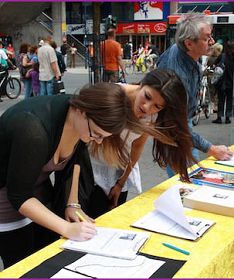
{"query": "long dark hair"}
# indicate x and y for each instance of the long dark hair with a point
(111, 109)
(173, 121)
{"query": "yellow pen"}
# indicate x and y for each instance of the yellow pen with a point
(80, 216)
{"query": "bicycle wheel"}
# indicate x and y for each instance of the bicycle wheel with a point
(196, 119)
(207, 110)
(13, 88)
(129, 69)
(207, 106)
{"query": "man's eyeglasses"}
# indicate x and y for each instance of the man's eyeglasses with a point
(96, 137)
(208, 39)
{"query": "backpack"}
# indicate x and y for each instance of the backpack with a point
(61, 63)
(22, 69)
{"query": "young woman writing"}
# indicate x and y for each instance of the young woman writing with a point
(40, 135)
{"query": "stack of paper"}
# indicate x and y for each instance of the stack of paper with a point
(169, 218)
(212, 200)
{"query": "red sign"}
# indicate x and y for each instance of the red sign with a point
(146, 27)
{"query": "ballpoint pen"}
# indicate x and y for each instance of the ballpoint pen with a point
(80, 216)
(176, 248)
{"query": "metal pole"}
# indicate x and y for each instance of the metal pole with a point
(96, 41)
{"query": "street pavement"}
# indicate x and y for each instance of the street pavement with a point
(151, 174)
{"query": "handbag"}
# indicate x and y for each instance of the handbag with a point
(59, 87)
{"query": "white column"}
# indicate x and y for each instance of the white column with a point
(59, 21)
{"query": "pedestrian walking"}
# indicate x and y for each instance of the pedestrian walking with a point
(225, 85)
(73, 53)
(48, 68)
(24, 64)
(112, 58)
(33, 74)
(64, 50)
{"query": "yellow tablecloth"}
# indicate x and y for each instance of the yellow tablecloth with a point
(212, 256)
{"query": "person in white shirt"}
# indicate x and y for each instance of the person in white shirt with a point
(48, 68)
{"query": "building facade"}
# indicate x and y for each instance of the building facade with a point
(137, 22)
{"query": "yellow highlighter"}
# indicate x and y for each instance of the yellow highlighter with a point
(80, 216)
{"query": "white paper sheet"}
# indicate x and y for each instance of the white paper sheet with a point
(107, 267)
(169, 218)
(65, 274)
(226, 162)
(214, 196)
(170, 205)
(111, 242)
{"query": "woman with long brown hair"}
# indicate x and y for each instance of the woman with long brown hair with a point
(159, 99)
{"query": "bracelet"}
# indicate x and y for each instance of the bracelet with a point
(73, 205)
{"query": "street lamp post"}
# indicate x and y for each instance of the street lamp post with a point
(96, 43)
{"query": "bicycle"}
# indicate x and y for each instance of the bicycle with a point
(150, 63)
(140, 65)
(10, 86)
(204, 101)
(130, 65)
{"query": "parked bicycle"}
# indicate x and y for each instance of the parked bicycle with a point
(10, 86)
(150, 63)
(204, 100)
(139, 65)
(130, 65)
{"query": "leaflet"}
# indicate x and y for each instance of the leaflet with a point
(213, 177)
(110, 242)
(226, 162)
(168, 218)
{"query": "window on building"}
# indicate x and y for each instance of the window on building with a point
(123, 11)
(73, 12)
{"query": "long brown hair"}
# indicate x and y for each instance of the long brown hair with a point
(173, 119)
(111, 109)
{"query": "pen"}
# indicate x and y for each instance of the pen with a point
(80, 216)
(176, 248)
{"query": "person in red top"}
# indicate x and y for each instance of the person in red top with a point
(11, 53)
(112, 58)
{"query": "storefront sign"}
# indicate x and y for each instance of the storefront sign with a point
(81, 29)
(146, 27)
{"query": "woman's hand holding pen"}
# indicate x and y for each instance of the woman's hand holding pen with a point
(79, 231)
(71, 215)
(81, 227)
